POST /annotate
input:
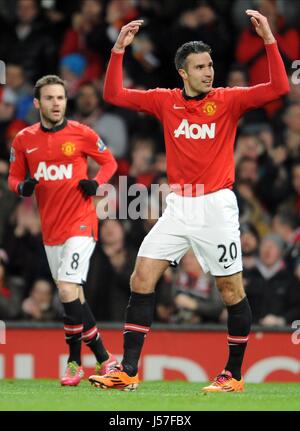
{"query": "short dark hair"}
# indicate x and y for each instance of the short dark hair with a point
(193, 47)
(47, 80)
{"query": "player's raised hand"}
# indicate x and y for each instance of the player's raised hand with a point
(127, 34)
(261, 26)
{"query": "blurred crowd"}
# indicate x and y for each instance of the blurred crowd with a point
(73, 38)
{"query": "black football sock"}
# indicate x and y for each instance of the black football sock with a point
(91, 336)
(73, 327)
(239, 324)
(139, 316)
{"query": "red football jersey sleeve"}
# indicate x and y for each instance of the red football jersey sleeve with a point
(245, 98)
(97, 150)
(18, 165)
(150, 101)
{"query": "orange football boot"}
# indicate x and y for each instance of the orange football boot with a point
(116, 378)
(224, 382)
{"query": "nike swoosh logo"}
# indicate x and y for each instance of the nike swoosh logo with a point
(227, 266)
(31, 150)
(73, 273)
(178, 107)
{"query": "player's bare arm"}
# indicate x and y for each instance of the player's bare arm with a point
(261, 26)
(127, 34)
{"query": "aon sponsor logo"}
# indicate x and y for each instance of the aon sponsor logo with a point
(53, 172)
(195, 131)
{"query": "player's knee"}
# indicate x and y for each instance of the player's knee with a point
(67, 292)
(140, 282)
(231, 291)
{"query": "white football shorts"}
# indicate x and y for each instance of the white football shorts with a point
(70, 261)
(209, 224)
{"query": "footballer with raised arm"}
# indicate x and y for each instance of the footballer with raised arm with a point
(200, 124)
(50, 158)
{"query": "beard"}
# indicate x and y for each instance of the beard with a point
(50, 120)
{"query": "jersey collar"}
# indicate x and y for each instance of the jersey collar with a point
(198, 97)
(55, 128)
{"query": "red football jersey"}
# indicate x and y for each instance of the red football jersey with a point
(199, 133)
(57, 158)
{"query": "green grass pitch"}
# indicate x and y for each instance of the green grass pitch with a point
(48, 395)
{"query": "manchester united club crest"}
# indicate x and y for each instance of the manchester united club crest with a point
(68, 148)
(209, 108)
